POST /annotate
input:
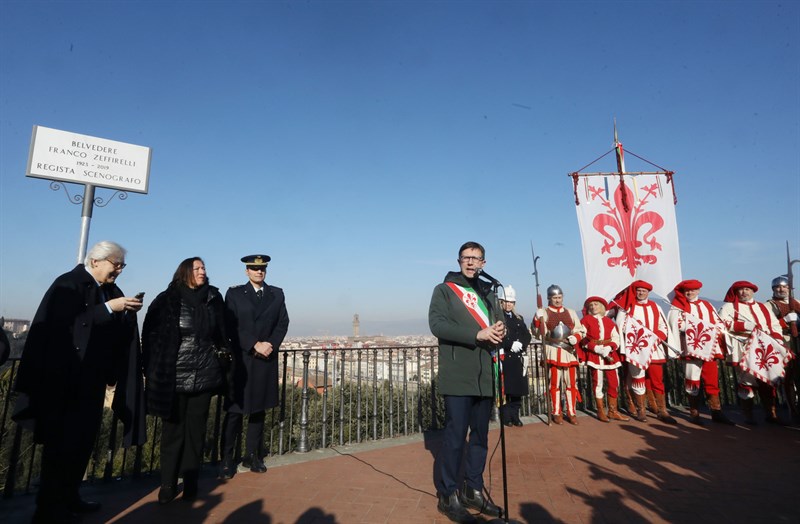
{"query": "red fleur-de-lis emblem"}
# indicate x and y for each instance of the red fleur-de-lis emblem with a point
(766, 356)
(697, 336)
(636, 340)
(627, 230)
(471, 300)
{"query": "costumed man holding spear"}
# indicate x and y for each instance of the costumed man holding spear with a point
(513, 350)
(786, 307)
(561, 331)
(755, 342)
(695, 327)
(460, 316)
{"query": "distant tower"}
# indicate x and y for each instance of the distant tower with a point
(355, 325)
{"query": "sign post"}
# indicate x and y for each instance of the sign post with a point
(91, 161)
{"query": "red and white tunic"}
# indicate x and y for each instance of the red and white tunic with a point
(601, 331)
(702, 309)
(555, 355)
(738, 315)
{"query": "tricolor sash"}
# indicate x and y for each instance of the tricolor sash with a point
(473, 303)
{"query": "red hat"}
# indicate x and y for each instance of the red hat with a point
(679, 300)
(730, 296)
(687, 285)
(595, 299)
(627, 297)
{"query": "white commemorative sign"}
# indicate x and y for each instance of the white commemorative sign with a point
(82, 159)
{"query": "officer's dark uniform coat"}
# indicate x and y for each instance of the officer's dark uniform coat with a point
(249, 320)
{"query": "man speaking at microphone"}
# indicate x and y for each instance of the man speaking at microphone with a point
(461, 317)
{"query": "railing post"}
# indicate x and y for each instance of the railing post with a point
(302, 445)
(419, 389)
(405, 391)
(341, 401)
(391, 398)
(375, 395)
(325, 399)
(282, 421)
(358, 398)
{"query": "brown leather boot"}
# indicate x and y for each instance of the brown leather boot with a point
(661, 404)
(558, 419)
(716, 411)
(641, 411)
(601, 411)
(694, 412)
(613, 411)
(630, 403)
(652, 407)
(771, 414)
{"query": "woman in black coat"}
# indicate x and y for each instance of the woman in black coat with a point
(515, 345)
(183, 340)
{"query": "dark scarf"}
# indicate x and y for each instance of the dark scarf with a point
(196, 299)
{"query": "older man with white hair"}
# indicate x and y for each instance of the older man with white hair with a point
(80, 341)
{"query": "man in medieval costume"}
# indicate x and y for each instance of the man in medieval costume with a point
(644, 330)
(746, 319)
(695, 328)
(786, 308)
(562, 332)
(601, 345)
(513, 350)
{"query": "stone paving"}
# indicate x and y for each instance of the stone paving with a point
(591, 473)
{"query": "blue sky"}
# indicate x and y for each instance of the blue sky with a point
(360, 143)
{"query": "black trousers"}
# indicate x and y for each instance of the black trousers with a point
(509, 412)
(253, 439)
(183, 438)
(463, 413)
(69, 436)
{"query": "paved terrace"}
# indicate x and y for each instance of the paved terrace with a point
(590, 473)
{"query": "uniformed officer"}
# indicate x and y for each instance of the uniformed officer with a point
(257, 323)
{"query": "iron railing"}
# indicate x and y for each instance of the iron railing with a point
(329, 397)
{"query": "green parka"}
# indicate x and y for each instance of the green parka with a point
(465, 367)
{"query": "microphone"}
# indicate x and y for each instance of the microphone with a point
(490, 278)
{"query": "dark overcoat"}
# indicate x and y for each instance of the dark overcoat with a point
(75, 347)
(250, 320)
(513, 371)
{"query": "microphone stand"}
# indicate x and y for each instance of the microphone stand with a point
(498, 382)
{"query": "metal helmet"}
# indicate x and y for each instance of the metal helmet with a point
(780, 281)
(554, 290)
(507, 293)
(560, 331)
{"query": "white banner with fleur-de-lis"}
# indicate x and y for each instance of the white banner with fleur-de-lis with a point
(702, 338)
(638, 342)
(765, 358)
(628, 232)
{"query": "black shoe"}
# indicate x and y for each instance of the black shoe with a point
(451, 508)
(84, 506)
(167, 494)
(252, 463)
(228, 469)
(473, 498)
(57, 515)
(508, 423)
(517, 422)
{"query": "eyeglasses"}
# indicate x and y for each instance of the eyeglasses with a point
(257, 268)
(117, 265)
(470, 259)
